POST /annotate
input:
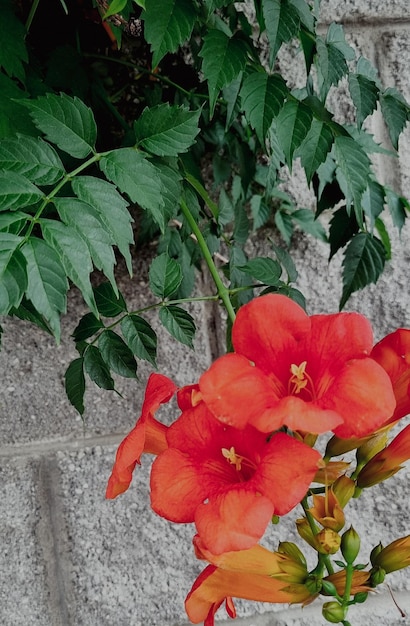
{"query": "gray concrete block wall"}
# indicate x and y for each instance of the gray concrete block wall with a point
(70, 558)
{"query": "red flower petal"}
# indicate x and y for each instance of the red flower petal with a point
(267, 326)
(393, 354)
(363, 412)
(148, 435)
(235, 520)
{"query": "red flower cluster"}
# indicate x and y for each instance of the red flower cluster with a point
(227, 463)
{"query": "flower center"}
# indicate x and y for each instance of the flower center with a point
(300, 380)
(236, 459)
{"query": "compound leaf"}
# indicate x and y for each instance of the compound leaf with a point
(165, 276)
(292, 126)
(363, 263)
(112, 210)
(262, 97)
(16, 192)
(168, 26)
(65, 121)
(75, 384)
(223, 59)
(31, 157)
(47, 281)
(166, 130)
(73, 254)
(140, 337)
(117, 354)
(179, 323)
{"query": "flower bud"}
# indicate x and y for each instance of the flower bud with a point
(371, 447)
(373, 554)
(350, 545)
(343, 488)
(329, 541)
(377, 576)
(328, 588)
(326, 510)
(292, 550)
(305, 531)
(360, 597)
(333, 612)
(394, 556)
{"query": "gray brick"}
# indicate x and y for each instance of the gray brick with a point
(25, 545)
(363, 10)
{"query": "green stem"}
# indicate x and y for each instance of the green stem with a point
(223, 292)
(324, 559)
(349, 579)
(31, 15)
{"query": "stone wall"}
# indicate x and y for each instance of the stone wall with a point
(71, 558)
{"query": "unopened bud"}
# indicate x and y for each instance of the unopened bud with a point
(377, 576)
(333, 612)
(343, 488)
(360, 597)
(373, 554)
(328, 540)
(371, 447)
(292, 550)
(350, 545)
(328, 588)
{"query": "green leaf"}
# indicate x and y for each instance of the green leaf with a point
(91, 229)
(284, 224)
(292, 126)
(260, 211)
(66, 122)
(13, 274)
(305, 13)
(286, 262)
(396, 113)
(282, 22)
(179, 323)
(97, 369)
(397, 207)
(115, 6)
(138, 178)
(26, 311)
(31, 157)
(231, 93)
(306, 221)
(16, 192)
(353, 170)
(117, 354)
(13, 118)
(223, 59)
(373, 201)
(343, 226)
(88, 325)
(109, 304)
(315, 147)
(262, 97)
(364, 93)
(166, 130)
(140, 337)
(13, 51)
(264, 269)
(73, 254)
(75, 384)
(112, 210)
(331, 65)
(384, 237)
(165, 276)
(168, 26)
(363, 263)
(336, 37)
(47, 282)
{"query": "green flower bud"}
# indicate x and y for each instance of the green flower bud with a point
(313, 584)
(377, 576)
(292, 550)
(333, 612)
(328, 540)
(360, 597)
(373, 554)
(328, 588)
(350, 545)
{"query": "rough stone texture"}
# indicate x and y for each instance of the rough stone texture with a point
(71, 558)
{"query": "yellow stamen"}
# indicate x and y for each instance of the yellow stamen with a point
(233, 458)
(300, 379)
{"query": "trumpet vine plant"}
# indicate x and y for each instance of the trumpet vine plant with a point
(107, 127)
